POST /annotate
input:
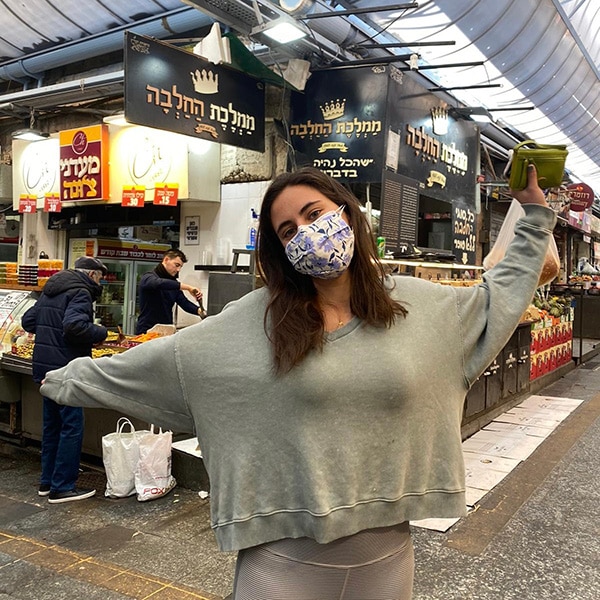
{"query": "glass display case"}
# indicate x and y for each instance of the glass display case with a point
(13, 305)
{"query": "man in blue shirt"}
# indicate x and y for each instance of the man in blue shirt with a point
(159, 290)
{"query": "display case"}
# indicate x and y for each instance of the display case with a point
(13, 303)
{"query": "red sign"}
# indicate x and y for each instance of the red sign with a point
(84, 163)
(52, 203)
(166, 194)
(581, 195)
(133, 196)
(27, 204)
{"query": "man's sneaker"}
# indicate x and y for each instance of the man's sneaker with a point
(70, 496)
(43, 490)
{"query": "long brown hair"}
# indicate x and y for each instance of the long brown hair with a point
(293, 321)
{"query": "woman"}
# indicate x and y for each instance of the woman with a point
(327, 404)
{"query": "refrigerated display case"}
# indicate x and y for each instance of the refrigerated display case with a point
(13, 303)
(118, 305)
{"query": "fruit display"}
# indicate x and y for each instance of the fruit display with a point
(554, 306)
(115, 343)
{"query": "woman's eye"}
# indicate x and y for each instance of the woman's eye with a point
(288, 233)
(313, 214)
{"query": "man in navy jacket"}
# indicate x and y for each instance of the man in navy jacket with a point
(63, 323)
(159, 290)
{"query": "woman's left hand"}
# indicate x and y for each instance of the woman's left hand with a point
(533, 193)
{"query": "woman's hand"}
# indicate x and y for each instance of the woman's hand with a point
(533, 193)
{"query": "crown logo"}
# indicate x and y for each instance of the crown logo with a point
(205, 82)
(333, 110)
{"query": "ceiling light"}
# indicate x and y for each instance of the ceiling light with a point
(30, 135)
(475, 113)
(280, 30)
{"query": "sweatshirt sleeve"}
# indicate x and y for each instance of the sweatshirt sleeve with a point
(122, 382)
(490, 312)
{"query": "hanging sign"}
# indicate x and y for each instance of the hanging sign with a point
(133, 196)
(166, 194)
(27, 203)
(52, 203)
(175, 90)
(84, 163)
(337, 125)
(581, 195)
(464, 234)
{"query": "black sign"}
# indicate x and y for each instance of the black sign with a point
(399, 210)
(174, 90)
(337, 124)
(445, 162)
(464, 234)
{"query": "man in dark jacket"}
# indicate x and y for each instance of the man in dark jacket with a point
(63, 323)
(159, 290)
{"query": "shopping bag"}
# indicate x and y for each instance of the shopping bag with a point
(551, 265)
(153, 477)
(549, 161)
(120, 455)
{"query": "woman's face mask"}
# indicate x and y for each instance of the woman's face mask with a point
(324, 248)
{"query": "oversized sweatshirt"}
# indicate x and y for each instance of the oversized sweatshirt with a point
(365, 433)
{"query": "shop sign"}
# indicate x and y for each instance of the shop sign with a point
(118, 249)
(175, 90)
(52, 203)
(337, 123)
(581, 196)
(133, 196)
(580, 220)
(35, 169)
(464, 236)
(166, 194)
(27, 204)
(192, 226)
(444, 160)
(84, 164)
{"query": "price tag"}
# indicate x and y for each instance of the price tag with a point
(133, 196)
(52, 203)
(166, 194)
(27, 204)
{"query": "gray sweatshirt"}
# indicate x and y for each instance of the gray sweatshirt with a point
(364, 434)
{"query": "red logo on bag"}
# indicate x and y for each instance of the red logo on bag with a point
(154, 491)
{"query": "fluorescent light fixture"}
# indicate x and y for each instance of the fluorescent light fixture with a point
(281, 30)
(29, 135)
(478, 114)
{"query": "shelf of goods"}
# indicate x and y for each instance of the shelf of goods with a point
(446, 273)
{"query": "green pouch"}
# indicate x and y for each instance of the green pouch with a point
(549, 161)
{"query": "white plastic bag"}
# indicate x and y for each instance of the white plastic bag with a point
(153, 477)
(120, 455)
(506, 234)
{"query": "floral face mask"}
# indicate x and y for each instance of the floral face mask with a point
(324, 248)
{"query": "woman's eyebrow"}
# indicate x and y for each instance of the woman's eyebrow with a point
(302, 211)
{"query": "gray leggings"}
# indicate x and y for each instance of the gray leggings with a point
(376, 564)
